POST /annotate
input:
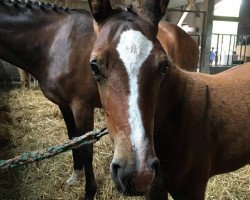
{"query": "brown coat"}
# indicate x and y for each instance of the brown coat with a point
(202, 128)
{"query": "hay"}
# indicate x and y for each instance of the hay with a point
(28, 121)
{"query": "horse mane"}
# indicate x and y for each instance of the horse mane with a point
(29, 4)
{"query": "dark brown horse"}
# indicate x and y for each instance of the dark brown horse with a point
(53, 44)
(59, 61)
(197, 125)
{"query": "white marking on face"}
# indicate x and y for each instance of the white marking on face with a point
(134, 48)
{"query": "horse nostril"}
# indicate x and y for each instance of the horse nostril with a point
(122, 175)
(154, 164)
(115, 168)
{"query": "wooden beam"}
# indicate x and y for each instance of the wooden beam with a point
(180, 10)
(231, 19)
(184, 15)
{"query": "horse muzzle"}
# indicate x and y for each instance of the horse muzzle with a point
(134, 181)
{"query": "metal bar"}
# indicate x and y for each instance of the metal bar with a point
(221, 47)
(234, 46)
(241, 48)
(217, 50)
(223, 34)
(245, 51)
(203, 39)
(229, 50)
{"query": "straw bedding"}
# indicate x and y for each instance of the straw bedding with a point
(28, 121)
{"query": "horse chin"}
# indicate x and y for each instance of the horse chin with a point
(129, 192)
(133, 193)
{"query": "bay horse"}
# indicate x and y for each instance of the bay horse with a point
(172, 129)
(53, 44)
(179, 45)
(60, 62)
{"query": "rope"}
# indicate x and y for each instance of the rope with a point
(30, 157)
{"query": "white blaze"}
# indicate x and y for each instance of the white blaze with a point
(134, 48)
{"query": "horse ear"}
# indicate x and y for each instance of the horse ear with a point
(100, 9)
(155, 9)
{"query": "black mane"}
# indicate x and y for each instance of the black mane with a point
(29, 4)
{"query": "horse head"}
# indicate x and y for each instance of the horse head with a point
(129, 64)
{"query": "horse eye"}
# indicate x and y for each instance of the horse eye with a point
(163, 69)
(95, 69)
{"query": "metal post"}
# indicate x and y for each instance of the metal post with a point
(207, 36)
(244, 60)
(229, 49)
(241, 47)
(221, 46)
(234, 46)
(217, 50)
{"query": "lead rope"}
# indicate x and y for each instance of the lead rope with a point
(35, 156)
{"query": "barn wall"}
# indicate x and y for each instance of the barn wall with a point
(8, 72)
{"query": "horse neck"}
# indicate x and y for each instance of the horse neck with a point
(26, 35)
(179, 92)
